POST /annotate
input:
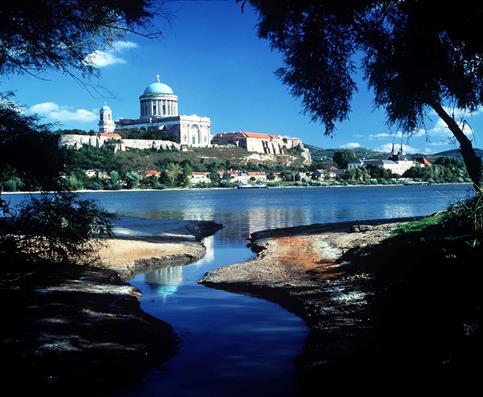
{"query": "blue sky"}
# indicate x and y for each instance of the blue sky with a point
(210, 55)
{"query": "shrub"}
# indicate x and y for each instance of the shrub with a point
(58, 228)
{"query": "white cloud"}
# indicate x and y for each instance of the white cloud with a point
(63, 113)
(440, 128)
(387, 147)
(457, 112)
(397, 134)
(439, 143)
(351, 145)
(43, 108)
(101, 59)
(121, 45)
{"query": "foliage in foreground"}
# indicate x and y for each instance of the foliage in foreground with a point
(58, 228)
(462, 220)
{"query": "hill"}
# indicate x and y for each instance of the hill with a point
(456, 153)
(320, 155)
(200, 159)
(324, 156)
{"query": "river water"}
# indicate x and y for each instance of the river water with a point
(235, 345)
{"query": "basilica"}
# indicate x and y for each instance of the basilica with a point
(158, 110)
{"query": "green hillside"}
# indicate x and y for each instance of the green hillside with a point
(324, 156)
(455, 153)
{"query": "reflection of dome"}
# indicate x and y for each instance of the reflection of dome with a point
(158, 88)
(164, 281)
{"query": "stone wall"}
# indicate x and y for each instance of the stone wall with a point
(77, 141)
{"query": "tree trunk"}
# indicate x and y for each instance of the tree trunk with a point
(472, 161)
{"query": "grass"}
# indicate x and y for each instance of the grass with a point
(462, 220)
(420, 226)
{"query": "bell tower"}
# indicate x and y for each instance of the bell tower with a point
(106, 123)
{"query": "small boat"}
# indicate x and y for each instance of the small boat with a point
(250, 186)
(408, 183)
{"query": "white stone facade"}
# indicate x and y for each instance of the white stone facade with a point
(77, 141)
(194, 131)
(158, 111)
(396, 167)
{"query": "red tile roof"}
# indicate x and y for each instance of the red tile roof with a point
(257, 135)
(151, 172)
(423, 160)
(109, 135)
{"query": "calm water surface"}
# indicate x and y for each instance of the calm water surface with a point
(233, 345)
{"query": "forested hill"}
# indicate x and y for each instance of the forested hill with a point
(456, 153)
(320, 155)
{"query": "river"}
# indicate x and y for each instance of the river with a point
(235, 345)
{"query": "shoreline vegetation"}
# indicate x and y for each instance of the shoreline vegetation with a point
(81, 326)
(231, 188)
(376, 297)
(99, 169)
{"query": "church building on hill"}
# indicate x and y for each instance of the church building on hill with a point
(158, 110)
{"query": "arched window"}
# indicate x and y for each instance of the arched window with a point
(194, 134)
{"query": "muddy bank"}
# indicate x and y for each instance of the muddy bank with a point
(80, 329)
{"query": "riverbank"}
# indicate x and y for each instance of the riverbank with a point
(232, 188)
(80, 329)
(376, 310)
(176, 244)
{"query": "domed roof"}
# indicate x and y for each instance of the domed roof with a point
(158, 88)
(106, 108)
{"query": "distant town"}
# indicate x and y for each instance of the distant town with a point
(163, 149)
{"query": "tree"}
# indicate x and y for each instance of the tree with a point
(132, 179)
(417, 56)
(63, 35)
(215, 177)
(37, 35)
(171, 173)
(343, 157)
(378, 172)
(185, 175)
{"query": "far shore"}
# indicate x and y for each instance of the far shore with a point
(234, 188)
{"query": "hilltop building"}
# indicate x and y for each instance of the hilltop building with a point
(257, 142)
(159, 111)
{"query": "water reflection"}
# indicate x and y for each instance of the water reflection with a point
(243, 212)
(164, 282)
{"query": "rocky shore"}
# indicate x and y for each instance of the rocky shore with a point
(80, 329)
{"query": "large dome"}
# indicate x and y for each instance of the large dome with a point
(158, 88)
